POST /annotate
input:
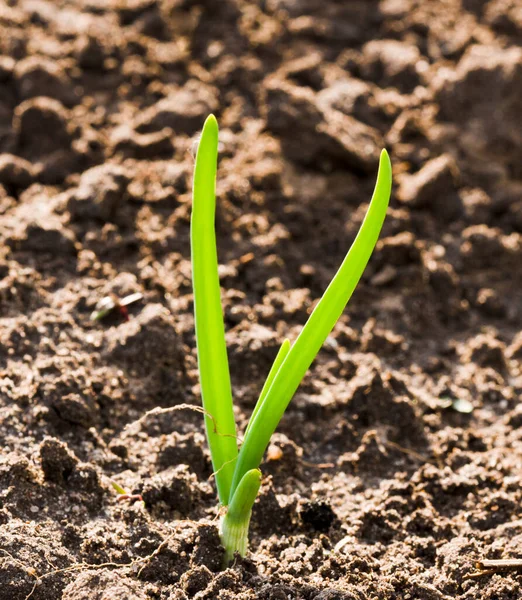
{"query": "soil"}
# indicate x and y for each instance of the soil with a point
(399, 462)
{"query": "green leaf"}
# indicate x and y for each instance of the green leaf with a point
(281, 355)
(316, 329)
(118, 488)
(210, 330)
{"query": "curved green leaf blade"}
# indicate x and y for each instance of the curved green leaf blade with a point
(316, 329)
(210, 330)
(281, 355)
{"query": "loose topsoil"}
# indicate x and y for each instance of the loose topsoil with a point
(399, 462)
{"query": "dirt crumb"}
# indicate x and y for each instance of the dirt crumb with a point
(57, 460)
(100, 193)
(98, 585)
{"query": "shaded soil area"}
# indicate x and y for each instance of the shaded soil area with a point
(399, 461)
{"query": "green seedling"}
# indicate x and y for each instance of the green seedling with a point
(118, 489)
(111, 303)
(236, 470)
(123, 494)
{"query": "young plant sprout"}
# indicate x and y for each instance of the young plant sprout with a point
(237, 473)
(123, 494)
(111, 303)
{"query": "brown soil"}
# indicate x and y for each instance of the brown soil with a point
(378, 488)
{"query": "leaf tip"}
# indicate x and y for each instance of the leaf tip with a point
(385, 168)
(385, 158)
(211, 124)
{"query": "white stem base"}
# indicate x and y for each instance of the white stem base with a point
(234, 537)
